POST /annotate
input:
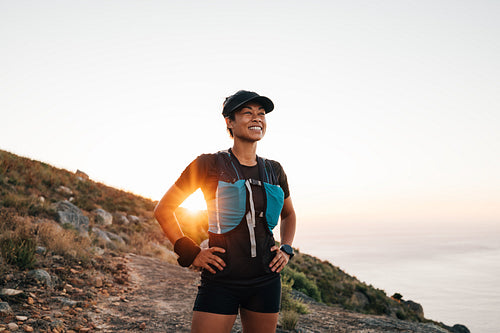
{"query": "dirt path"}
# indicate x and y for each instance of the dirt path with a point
(160, 298)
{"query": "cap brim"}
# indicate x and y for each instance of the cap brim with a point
(264, 101)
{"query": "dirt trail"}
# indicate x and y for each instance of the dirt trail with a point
(161, 295)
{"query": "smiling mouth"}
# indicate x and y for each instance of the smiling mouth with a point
(255, 128)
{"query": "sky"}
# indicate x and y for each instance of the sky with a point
(386, 113)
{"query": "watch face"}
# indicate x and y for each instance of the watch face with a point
(287, 249)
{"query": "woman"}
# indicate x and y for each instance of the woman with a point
(245, 195)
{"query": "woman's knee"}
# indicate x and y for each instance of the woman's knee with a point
(211, 322)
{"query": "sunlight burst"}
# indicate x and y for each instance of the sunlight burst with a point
(195, 202)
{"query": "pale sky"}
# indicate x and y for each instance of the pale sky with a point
(386, 112)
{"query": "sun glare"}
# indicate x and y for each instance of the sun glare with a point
(195, 202)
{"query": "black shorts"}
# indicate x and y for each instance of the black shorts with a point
(217, 297)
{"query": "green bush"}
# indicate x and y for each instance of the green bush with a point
(302, 283)
(287, 300)
(19, 251)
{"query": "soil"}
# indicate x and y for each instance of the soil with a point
(160, 297)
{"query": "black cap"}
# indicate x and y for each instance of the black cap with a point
(232, 103)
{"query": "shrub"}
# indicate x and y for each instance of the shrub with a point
(66, 243)
(18, 249)
(289, 319)
(302, 283)
(287, 300)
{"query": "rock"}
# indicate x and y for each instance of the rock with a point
(97, 250)
(98, 282)
(66, 301)
(41, 249)
(5, 309)
(10, 292)
(457, 328)
(358, 299)
(12, 326)
(57, 325)
(101, 235)
(41, 199)
(107, 237)
(64, 190)
(21, 318)
(133, 219)
(103, 217)
(42, 277)
(115, 237)
(28, 328)
(416, 308)
(69, 213)
(82, 175)
(120, 219)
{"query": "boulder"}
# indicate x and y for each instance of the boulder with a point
(10, 292)
(12, 326)
(66, 301)
(42, 277)
(115, 237)
(107, 237)
(103, 217)
(416, 308)
(5, 309)
(457, 328)
(120, 219)
(81, 175)
(41, 250)
(71, 214)
(64, 190)
(101, 235)
(358, 299)
(133, 219)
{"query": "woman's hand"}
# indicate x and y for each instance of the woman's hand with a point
(206, 257)
(279, 261)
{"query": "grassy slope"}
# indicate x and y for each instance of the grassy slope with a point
(24, 181)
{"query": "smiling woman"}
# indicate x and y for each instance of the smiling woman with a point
(195, 202)
(245, 195)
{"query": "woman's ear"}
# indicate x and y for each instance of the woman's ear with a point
(228, 122)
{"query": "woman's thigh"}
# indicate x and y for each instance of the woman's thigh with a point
(211, 322)
(258, 322)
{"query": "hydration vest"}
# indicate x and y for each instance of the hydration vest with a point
(229, 207)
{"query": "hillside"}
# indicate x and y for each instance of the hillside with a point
(65, 240)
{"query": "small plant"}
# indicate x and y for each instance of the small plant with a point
(19, 250)
(289, 319)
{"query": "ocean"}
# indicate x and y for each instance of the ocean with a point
(454, 273)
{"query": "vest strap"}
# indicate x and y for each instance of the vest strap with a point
(251, 220)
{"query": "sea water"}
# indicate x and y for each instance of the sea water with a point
(454, 273)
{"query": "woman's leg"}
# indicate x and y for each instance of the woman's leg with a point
(211, 322)
(258, 322)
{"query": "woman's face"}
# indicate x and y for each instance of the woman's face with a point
(249, 122)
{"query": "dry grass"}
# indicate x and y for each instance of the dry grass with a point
(289, 319)
(66, 243)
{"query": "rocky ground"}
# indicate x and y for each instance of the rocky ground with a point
(142, 294)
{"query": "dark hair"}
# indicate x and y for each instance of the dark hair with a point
(231, 117)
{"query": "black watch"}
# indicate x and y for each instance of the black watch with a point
(287, 249)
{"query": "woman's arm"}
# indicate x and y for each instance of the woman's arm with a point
(287, 232)
(288, 222)
(165, 215)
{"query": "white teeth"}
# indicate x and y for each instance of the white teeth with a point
(255, 128)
